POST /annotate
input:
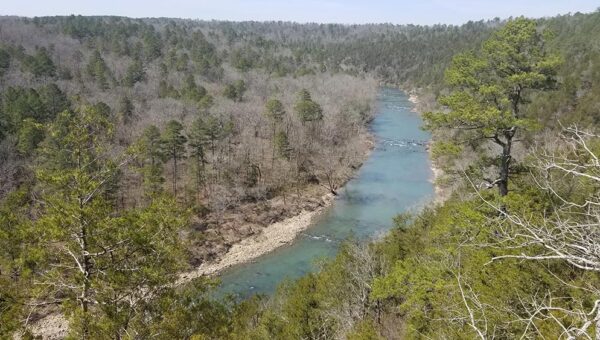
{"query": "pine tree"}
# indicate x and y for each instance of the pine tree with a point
(103, 267)
(174, 146)
(151, 150)
(135, 73)
(30, 135)
(489, 91)
(197, 141)
(54, 100)
(275, 112)
(125, 109)
(97, 69)
(306, 109)
(282, 145)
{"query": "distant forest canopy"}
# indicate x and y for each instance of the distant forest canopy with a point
(132, 149)
(395, 53)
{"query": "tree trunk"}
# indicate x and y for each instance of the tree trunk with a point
(175, 177)
(86, 274)
(505, 160)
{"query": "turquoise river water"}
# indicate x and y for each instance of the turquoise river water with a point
(395, 178)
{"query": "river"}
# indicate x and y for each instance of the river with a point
(395, 178)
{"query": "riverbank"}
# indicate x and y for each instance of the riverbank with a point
(272, 237)
(441, 193)
(291, 219)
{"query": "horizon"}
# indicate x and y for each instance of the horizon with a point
(352, 12)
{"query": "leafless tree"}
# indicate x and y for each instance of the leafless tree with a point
(570, 233)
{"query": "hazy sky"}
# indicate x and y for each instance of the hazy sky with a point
(338, 11)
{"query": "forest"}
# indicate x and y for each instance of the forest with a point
(133, 150)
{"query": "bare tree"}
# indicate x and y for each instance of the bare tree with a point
(569, 234)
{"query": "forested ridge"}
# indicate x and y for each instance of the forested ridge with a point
(134, 149)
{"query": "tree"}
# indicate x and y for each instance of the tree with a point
(567, 233)
(150, 148)
(491, 88)
(229, 92)
(274, 110)
(54, 100)
(135, 73)
(282, 145)
(30, 135)
(152, 44)
(306, 109)
(191, 91)
(97, 69)
(197, 141)
(205, 103)
(99, 265)
(125, 110)
(40, 64)
(174, 146)
(20, 103)
(4, 61)
(240, 89)
(235, 91)
(15, 255)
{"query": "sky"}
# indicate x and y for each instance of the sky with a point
(423, 12)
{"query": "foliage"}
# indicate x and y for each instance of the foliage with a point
(173, 143)
(5, 59)
(135, 73)
(98, 70)
(274, 110)
(282, 144)
(430, 278)
(150, 150)
(235, 91)
(125, 110)
(489, 91)
(100, 267)
(306, 109)
(40, 64)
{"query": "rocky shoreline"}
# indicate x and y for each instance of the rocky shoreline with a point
(272, 237)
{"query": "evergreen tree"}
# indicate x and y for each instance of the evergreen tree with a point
(97, 69)
(306, 109)
(282, 145)
(152, 153)
(4, 61)
(20, 103)
(490, 90)
(213, 131)
(240, 90)
(16, 255)
(54, 100)
(174, 146)
(235, 91)
(274, 111)
(135, 73)
(30, 135)
(40, 64)
(230, 92)
(101, 266)
(197, 142)
(191, 91)
(125, 109)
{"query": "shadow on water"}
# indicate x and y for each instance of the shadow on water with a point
(395, 178)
